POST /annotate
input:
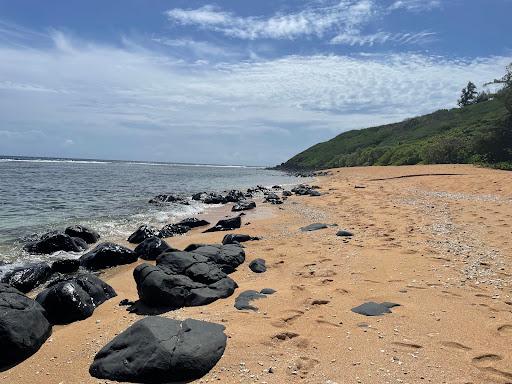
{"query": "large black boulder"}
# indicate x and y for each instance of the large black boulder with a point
(193, 222)
(26, 277)
(23, 327)
(226, 224)
(66, 265)
(181, 279)
(160, 350)
(272, 198)
(226, 256)
(243, 205)
(142, 233)
(53, 242)
(87, 234)
(171, 230)
(151, 248)
(106, 255)
(235, 238)
(71, 299)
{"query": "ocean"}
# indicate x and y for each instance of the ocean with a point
(38, 195)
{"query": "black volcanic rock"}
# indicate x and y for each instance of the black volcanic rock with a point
(106, 255)
(214, 198)
(87, 234)
(234, 196)
(258, 266)
(170, 230)
(151, 248)
(374, 309)
(272, 198)
(160, 350)
(181, 279)
(344, 233)
(243, 301)
(71, 299)
(23, 327)
(193, 222)
(54, 242)
(226, 224)
(26, 277)
(226, 256)
(142, 233)
(235, 238)
(314, 227)
(168, 198)
(243, 205)
(66, 265)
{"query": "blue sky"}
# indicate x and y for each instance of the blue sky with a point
(232, 82)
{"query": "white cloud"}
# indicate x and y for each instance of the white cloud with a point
(383, 37)
(344, 14)
(133, 102)
(415, 5)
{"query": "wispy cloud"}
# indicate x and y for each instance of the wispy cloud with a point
(133, 102)
(415, 5)
(345, 14)
(382, 38)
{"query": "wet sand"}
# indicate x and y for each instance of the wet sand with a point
(438, 242)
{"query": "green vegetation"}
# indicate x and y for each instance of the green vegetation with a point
(480, 132)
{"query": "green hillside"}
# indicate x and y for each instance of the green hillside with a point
(478, 133)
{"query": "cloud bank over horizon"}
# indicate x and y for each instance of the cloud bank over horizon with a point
(224, 90)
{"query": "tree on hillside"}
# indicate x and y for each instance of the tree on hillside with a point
(468, 95)
(505, 94)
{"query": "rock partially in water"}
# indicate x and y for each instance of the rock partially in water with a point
(243, 205)
(372, 308)
(90, 236)
(74, 298)
(234, 196)
(214, 198)
(160, 350)
(53, 242)
(170, 230)
(66, 265)
(226, 224)
(142, 233)
(23, 327)
(107, 255)
(258, 266)
(168, 198)
(193, 222)
(27, 277)
(151, 248)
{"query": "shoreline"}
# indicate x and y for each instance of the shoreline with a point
(437, 245)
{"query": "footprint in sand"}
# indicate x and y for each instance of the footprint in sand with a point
(505, 329)
(455, 345)
(288, 318)
(486, 358)
(303, 365)
(408, 346)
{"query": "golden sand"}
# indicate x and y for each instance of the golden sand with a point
(439, 243)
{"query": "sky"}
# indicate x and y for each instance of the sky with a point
(232, 82)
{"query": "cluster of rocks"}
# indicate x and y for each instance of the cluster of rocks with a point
(147, 231)
(74, 239)
(306, 190)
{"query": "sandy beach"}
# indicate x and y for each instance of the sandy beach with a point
(434, 239)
